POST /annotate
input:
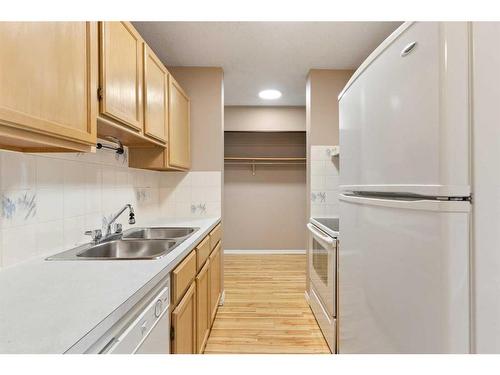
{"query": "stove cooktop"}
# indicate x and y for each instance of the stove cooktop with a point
(331, 223)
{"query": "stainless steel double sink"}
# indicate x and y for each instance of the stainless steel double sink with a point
(135, 243)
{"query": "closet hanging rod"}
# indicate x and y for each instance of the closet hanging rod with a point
(266, 163)
(265, 159)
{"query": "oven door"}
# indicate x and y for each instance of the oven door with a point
(322, 272)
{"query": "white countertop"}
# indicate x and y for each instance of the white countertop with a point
(49, 306)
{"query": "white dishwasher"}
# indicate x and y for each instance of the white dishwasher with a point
(149, 331)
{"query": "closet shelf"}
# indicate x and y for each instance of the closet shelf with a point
(264, 159)
(253, 162)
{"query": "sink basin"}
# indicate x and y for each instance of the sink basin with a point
(137, 249)
(117, 249)
(158, 233)
(135, 243)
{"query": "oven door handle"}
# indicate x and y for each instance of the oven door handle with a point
(329, 240)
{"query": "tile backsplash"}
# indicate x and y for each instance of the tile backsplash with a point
(324, 182)
(47, 201)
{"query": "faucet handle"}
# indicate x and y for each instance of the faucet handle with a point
(96, 234)
(118, 228)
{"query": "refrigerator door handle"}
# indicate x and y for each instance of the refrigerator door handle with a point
(413, 203)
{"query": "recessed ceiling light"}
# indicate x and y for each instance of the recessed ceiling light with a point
(270, 94)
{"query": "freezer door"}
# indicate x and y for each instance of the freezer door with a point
(404, 116)
(403, 276)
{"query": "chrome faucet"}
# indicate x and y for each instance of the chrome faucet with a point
(131, 219)
(96, 234)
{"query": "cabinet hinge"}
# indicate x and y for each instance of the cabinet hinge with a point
(172, 334)
(99, 93)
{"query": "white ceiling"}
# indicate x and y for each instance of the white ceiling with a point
(260, 55)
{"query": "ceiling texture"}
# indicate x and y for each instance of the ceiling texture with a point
(263, 55)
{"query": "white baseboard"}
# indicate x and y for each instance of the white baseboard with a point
(264, 252)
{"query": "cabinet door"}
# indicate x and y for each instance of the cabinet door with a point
(183, 275)
(202, 307)
(184, 324)
(48, 80)
(179, 153)
(215, 281)
(215, 236)
(155, 96)
(202, 252)
(121, 73)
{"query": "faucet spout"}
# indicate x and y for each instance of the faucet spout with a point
(131, 217)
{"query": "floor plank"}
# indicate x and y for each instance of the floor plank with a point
(265, 310)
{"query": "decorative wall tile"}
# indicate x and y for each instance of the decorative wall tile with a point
(50, 205)
(50, 237)
(324, 182)
(183, 194)
(18, 207)
(74, 232)
(183, 209)
(56, 197)
(319, 182)
(18, 171)
(48, 172)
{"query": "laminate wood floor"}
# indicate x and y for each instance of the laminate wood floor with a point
(265, 310)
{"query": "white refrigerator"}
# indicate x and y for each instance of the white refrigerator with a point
(405, 209)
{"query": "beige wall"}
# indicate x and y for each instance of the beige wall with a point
(322, 111)
(266, 211)
(241, 118)
(204, 86)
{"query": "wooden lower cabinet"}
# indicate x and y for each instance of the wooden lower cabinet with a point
(215, 281)
(182, 276)
(184, 324)
(202, 252)
(215, 236)
(195, 298)
(202, 307)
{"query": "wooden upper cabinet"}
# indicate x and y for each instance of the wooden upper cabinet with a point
(179, 153)
(48, 84)
(155, 96)
(184, 324)
(121, 74)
